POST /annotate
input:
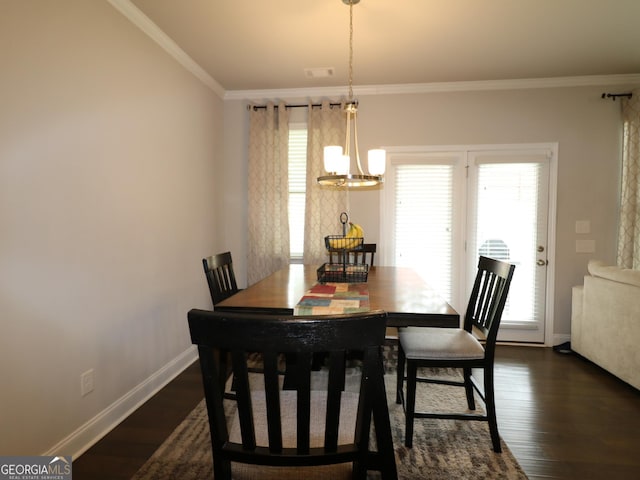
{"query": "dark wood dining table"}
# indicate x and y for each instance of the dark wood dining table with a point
(400, 291)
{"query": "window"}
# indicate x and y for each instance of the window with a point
(297, 187)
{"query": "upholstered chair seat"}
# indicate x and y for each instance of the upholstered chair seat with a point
(433, 343)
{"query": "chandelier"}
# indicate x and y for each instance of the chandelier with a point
(336, 160)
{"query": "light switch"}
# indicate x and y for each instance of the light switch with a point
(583, 226)
(585, 246)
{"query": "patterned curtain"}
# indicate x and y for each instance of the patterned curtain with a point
(629, 234)
(326, 126)
(268, 191)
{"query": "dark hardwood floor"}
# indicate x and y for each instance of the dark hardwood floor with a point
(561, 416)
(564, 417)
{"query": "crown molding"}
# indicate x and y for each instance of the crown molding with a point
(144, 23)
(439, 87)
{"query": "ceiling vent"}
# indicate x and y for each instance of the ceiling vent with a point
(323, 72)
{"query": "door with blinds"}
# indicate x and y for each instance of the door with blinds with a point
(444, 209)
(508, 217)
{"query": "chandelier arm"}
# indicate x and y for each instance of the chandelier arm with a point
(355, 138)
(347, 139)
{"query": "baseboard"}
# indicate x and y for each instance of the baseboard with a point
(557, 339)
(92, 431)
(560, 338)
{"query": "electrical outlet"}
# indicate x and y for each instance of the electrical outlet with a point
(583, 226)
(87, 382)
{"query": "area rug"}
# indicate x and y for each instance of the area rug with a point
(442, 449)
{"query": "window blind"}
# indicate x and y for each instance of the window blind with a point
(423, 222)
(297, 188)
(506, 227)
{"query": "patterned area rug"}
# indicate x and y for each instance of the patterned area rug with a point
(443, 449)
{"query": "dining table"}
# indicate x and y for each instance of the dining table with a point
(406, 297)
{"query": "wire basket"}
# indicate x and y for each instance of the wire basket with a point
(342, 243)
(343, 273)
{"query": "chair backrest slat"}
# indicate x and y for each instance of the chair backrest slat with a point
(272, 398)
(336, 383)
(487, 297)
(303, 406)
(243, 397)
(212, 389)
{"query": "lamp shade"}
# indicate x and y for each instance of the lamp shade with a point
(377, 161)
(344, 162)
(332, 156)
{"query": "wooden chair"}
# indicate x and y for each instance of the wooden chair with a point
(358, 256)
(222, 284)
(220, 277)
(458, 348)
(269, 430)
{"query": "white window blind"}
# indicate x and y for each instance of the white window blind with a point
(297, 187)
(507, 227)
(423, 228)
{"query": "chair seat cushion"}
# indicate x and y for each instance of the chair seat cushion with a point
(348, 411)
(433, 343)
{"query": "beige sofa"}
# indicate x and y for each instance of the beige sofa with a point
(605, 320)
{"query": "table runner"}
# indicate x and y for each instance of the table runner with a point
(334, 298)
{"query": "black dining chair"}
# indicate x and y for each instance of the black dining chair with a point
(220, 276)
(364, 254)
(218, 270)
(458, 348)
(274, 432)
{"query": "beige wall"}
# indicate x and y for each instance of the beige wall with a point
(587, 129)
(108, 159)
(119, 171)
(588, 132)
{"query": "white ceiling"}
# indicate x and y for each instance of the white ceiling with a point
(268, 44)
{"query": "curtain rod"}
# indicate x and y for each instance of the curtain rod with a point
(260, 107)
(613, 96)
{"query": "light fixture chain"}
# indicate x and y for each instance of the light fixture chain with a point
(351, 50)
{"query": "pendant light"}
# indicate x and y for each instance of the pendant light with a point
(337, 160)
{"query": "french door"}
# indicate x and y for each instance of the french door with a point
(445, 208)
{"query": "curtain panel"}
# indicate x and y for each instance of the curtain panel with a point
(629, 229)
(326, 125)
(268, 194)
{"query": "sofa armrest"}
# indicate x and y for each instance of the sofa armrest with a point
(598, 268)
(577, 299)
